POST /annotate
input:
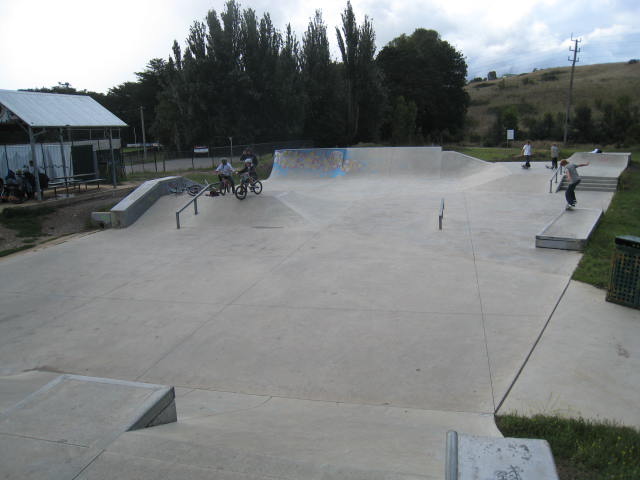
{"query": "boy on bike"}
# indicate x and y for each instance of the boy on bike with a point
(250, 169)
(225, 170)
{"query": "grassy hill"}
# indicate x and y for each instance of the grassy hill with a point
(534, 94)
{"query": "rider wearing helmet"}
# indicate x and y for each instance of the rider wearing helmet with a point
(248, 153)
(225, 170)
(249, 168)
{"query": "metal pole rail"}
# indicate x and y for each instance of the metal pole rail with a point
(558, 173)
(441, 214)
(194, 200)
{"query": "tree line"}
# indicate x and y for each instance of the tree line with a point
(608, 122)
(239, 76)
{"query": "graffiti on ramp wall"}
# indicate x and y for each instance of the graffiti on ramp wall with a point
(325, 162)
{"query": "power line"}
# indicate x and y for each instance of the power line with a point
(575, 51)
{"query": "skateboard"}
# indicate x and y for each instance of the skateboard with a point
(526, 166)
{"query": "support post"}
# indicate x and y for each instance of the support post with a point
(144, 135)
(6, 156)
(64, 161)
(34, 159)
(113, 159)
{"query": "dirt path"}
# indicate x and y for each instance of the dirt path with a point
(66, 219)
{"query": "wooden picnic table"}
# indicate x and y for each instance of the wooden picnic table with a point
(74, 181)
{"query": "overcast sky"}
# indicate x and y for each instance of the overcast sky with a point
(98, 45)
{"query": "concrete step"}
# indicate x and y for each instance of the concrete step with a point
(278, 438)
(601, 184)
(570, 230)
(598, 179)
(591, 188)
(472, 457)
(154, 456)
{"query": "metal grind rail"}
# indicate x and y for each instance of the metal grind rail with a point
(441, 214)
(557, 174)
(194, 200)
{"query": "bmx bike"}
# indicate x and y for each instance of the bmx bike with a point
(192, 190)
(247, 183)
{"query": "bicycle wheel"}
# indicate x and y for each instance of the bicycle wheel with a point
(193, 190)
(241, 192)
(256, 187)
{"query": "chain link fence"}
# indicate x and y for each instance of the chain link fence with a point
(160, 160)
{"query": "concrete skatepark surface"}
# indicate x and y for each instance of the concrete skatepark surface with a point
(324, 329)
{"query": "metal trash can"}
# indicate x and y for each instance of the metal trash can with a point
(624, 284)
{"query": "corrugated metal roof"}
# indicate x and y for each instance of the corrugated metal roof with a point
(58, 110)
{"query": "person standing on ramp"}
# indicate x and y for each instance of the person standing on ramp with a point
(555, 153)
(527, 152)
(574, 179)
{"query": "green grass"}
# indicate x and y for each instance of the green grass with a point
(583, 450)
(540, 153)
(27, 222)
(9, 251)
(621, 218)
(592, 84)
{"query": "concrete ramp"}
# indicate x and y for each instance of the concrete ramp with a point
(604, 165)
(351, 163)
(58, 429)
(570, 230)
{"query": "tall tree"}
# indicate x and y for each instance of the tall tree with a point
(361, 75)
(404, 122)
(430, 72)
(323, 87)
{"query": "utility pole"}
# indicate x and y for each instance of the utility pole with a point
(575, 51)
(144, 137)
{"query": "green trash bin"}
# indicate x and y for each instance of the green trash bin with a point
(624, 284)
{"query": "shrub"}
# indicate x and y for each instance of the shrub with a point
(476, 102)
(549, 76)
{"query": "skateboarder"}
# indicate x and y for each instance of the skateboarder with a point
(555, 152)
(574, 179)
(527, 151)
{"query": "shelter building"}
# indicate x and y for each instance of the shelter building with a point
(45, 114)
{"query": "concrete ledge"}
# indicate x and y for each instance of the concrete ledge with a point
(130, 208)
(472, 457)
(570, 230)
(159, 409)
(101, 219)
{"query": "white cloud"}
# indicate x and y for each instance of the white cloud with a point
(97, 45)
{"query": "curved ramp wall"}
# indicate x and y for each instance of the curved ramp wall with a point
(360, 162)
(606, 165)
